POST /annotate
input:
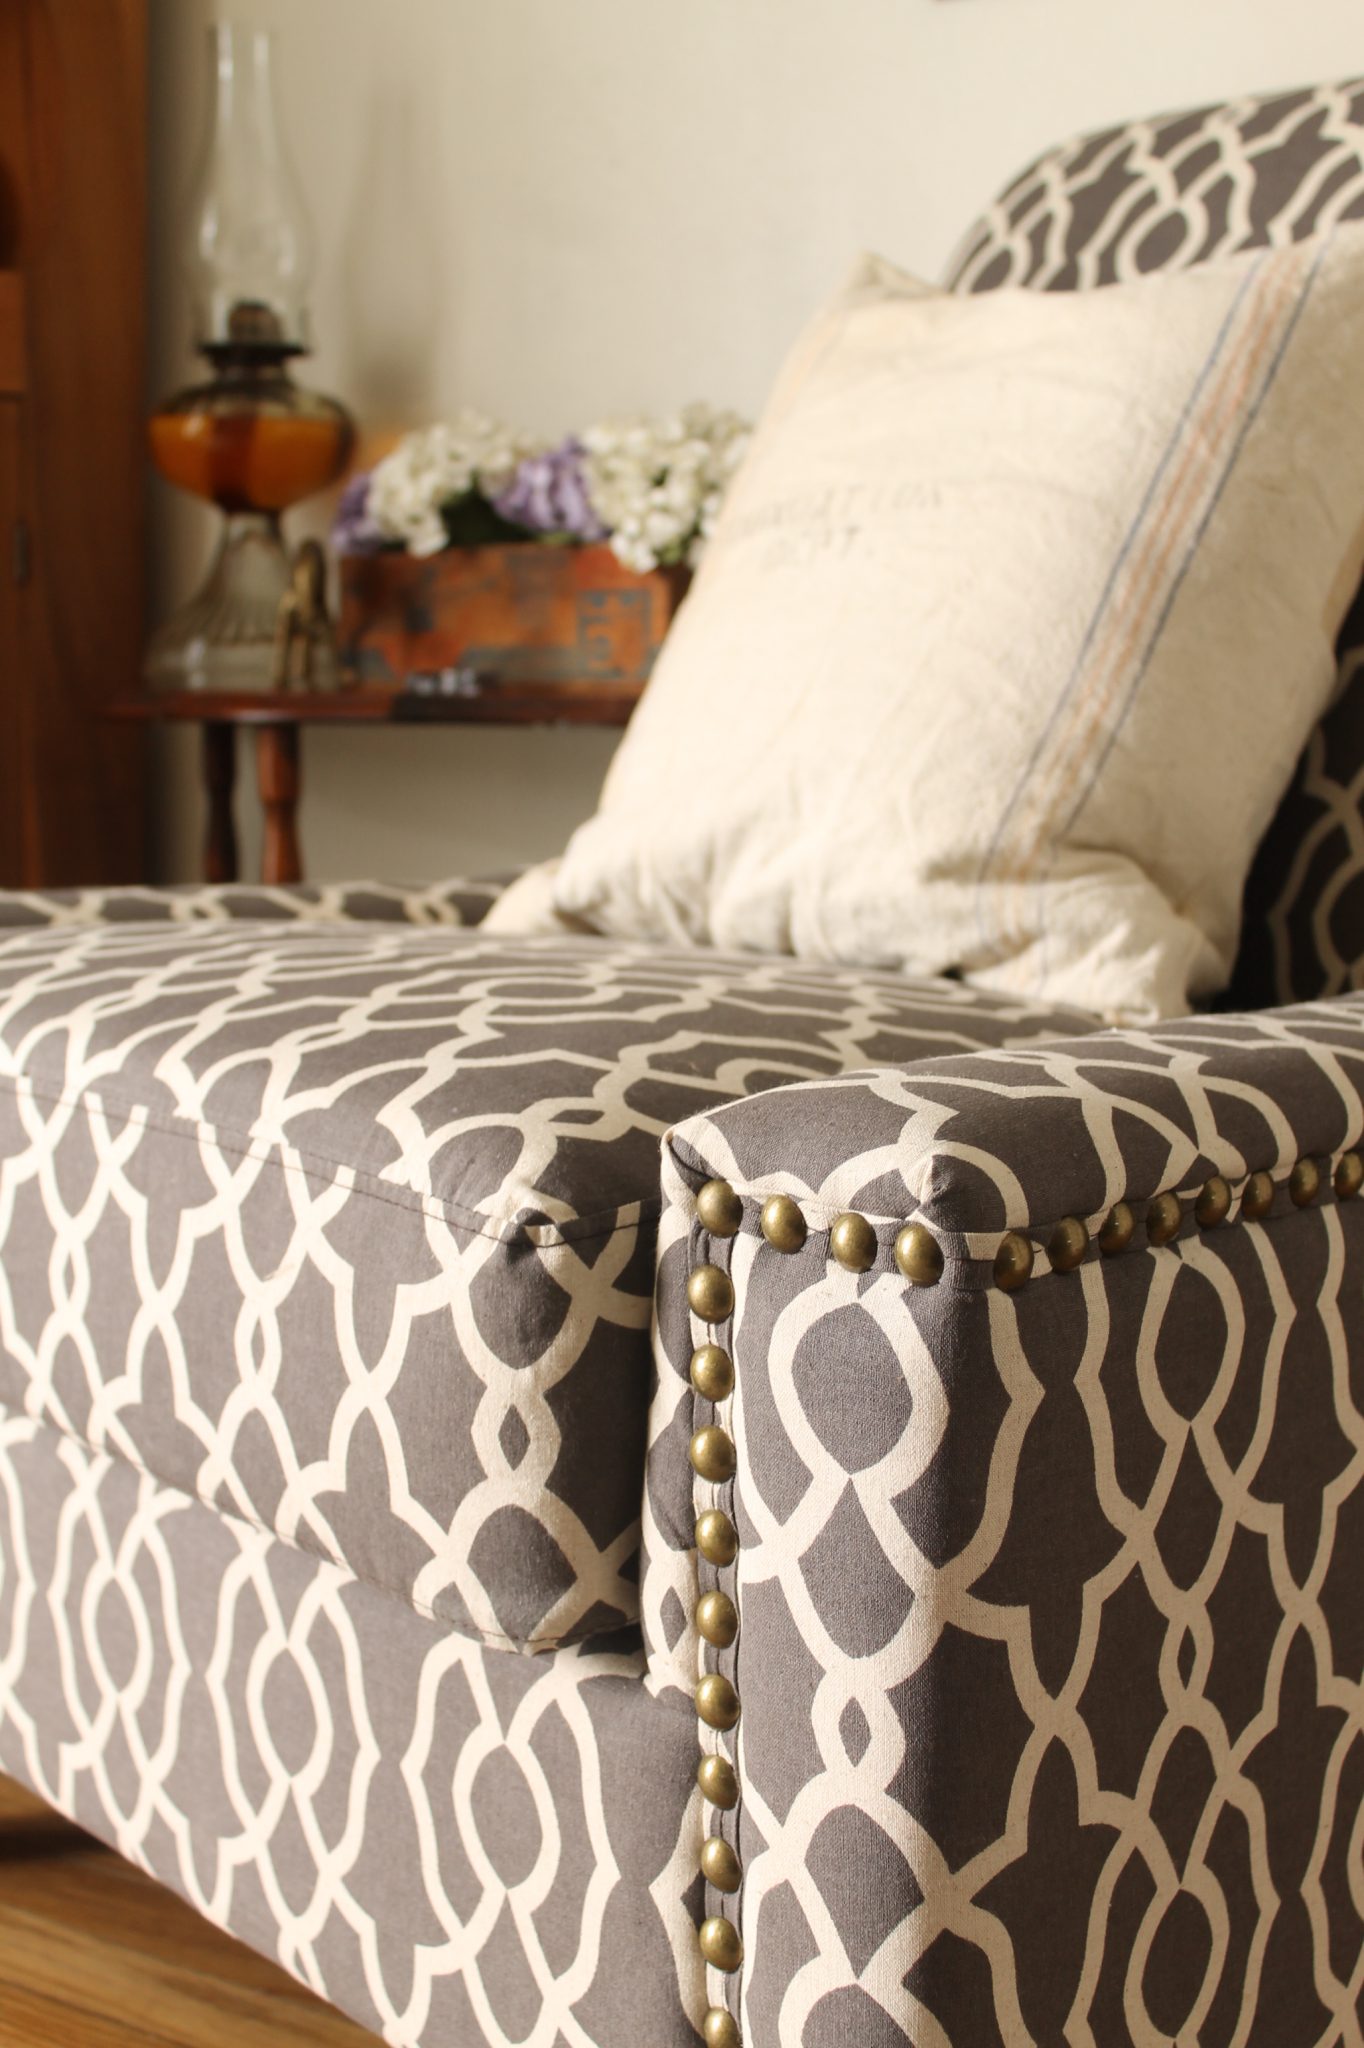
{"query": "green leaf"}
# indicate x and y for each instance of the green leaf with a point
(471, 522)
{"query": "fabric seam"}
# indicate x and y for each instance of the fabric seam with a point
(494, 1637)
(580, 1229)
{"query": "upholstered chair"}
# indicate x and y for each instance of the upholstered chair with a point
(888, 1574)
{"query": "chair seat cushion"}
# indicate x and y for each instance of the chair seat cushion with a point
(350, 1231)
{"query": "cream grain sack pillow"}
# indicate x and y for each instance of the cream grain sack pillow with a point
(1018, 615)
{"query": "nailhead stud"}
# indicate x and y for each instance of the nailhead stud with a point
(719, 1208)
(716, 1538)
(1214, 1201)
(1258, 1199)
(783, 1225)
(1013, 1262)
(710, 1293)
(712, 1454)
(1349, 1176)
(1304, 1183)
(719, 1785)
(1069, 1243)
(712, 1372)
(717, 1702)
(717, 1619)
(1163, 1219)
(919, 1256)
(720, 1866)
(1117, 1231)
(853, 1243)
(720, 2029)
(720, 1945)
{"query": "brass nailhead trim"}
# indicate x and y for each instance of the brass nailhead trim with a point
(710, 1293)
(717, 1539)
(1163, 1219)
(712, 1454)
(717, 1619)
(919, 1256)
(853, 1243)
(1013, 1262)
(720, 1945)
(1116, 1233)
(719, 1208)
(1069, 1243)
(717, 1702)
(719, 1785)
(712, 1372)
(720, 1866)
(720, 2029)
(782, 1223)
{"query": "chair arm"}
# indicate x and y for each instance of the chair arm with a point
(461, 901)
(1050, 1638)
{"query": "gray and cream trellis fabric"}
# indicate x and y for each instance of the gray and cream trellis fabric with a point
(462, 901)
(1065, 1579)
(349, 1228)
(1161, 195)
(454, 1845)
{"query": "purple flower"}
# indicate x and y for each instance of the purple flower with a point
(548, 494)
(353, 531)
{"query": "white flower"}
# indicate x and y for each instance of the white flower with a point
(634, 554)
(663, 529)
(658, 484)
(427, 535)
(431, 468)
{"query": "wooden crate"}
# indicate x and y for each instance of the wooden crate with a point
(522, 610)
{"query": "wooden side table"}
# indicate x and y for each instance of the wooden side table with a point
(278, 722)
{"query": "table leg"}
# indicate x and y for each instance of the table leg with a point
(220, 774)
(277, 774)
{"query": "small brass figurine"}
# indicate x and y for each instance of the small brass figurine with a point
(305, 647)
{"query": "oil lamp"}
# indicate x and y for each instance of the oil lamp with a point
(248, 438)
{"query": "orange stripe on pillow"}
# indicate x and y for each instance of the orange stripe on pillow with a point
(1159, 555)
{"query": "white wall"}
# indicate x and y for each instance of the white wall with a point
(559, 208)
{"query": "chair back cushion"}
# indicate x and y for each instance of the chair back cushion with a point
(1166, 194)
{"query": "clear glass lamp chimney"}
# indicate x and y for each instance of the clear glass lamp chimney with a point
(251, 247)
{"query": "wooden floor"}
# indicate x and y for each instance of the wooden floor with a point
(95, 1955)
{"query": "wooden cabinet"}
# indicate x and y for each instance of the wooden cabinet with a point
(73, 112)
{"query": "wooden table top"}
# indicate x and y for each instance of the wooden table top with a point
(493, 701)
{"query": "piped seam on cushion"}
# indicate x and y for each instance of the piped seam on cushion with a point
(494, 1638)
(544, 1234)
